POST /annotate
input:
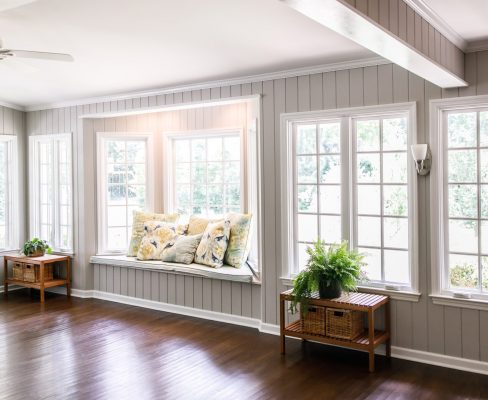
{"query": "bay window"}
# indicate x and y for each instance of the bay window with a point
(124, 184)
(347, 175)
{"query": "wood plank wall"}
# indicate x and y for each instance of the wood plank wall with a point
(405, 23)
(420, 326)
(12, 122)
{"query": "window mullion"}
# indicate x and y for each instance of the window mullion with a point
(478, 177)
(382, 202)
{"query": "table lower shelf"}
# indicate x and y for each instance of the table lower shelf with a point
(361, 342)
(37, 285)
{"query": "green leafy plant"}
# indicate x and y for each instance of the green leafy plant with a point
(329, 265)
(35, 246)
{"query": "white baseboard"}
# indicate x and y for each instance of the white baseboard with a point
(424, 357)
(10, 288)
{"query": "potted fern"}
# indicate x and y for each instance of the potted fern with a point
(329, 270)
(36, 248)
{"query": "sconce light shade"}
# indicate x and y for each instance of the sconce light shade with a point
(419, 151)
(422, 156)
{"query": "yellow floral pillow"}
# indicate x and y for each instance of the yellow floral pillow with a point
(154, 242)
(213, 244)
(197, 224)
(139, 218)
(240, 239)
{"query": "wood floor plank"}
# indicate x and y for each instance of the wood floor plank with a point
(93, 349)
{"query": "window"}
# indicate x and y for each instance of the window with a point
(461, 187)
(51, 188)
(123, 186)
(8, 192)
(206, 173)
(347, 175)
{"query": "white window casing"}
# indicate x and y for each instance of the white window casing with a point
(347, 118)
(51, 188)
(105, 246)
(9, 239)
(441, 250)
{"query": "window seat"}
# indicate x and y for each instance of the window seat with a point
(227, 273)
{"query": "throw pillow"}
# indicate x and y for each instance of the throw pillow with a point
(181, 249)
(153, 244)
(239, 240)
(211, 249)
(197, 224)
(139, 218)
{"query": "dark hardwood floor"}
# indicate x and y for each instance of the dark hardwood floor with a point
(92, 349)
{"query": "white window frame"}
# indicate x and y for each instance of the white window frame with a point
(35, 229)
(11, 207)
(169, 167)
(440, 292)
(347, 117)
(102, 248)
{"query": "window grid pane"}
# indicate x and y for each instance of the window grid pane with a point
(207, 179)
(317, 186)
(381, 191)
(466, 228)
(126, 191)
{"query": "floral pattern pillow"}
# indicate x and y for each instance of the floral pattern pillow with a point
(212, 247)
(155, 241)
(139, 219)
(239, 240)
(181, 249)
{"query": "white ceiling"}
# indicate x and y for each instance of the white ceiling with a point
(128, 45)
(466, 17)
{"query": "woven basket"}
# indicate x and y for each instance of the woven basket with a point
(344, 324)
(314, 320)
(18, 271)
(32, 273)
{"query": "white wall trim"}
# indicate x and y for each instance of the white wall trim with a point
(359, 63)
(10, 288)
(13, 106)
(427, 13)
(477, 45)
(449, 300)
(424, 357)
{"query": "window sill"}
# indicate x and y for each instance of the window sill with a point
(394, 294)
(449, 300)
(225, 273)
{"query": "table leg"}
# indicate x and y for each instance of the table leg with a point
(371, 339)
(388, 328)
(68, 277)
(41, 281)
(5, 277)
(282, 325)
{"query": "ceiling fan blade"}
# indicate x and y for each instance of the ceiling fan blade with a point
(41, 55)
(9, 4)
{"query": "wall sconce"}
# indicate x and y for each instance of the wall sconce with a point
(423, 158)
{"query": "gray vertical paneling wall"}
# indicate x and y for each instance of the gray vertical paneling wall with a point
(422, 326)
(12, 122)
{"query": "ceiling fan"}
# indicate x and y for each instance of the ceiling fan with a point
(41, 55)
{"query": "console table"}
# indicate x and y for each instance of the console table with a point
(364, 302)
(42, 283)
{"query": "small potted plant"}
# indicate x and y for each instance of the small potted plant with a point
(36, 248)
(329, 270)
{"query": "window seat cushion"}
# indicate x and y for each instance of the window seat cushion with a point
(243, 274)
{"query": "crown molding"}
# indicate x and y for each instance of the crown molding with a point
(477, 45)
(12, 106)
(359, 63)
(437, 22)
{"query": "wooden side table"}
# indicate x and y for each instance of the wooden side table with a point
(355, 301)
(42, 283)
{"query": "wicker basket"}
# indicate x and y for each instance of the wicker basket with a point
(344, 324)
(18, 271)
(314, 320)
(32, 273)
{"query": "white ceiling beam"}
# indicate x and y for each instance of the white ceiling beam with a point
(349, 23)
